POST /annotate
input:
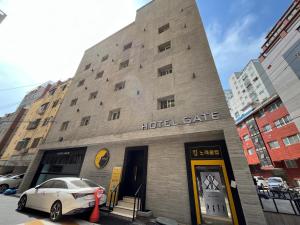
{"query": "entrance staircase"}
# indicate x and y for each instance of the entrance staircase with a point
(124, 208)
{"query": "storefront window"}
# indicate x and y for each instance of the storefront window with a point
(213, 198)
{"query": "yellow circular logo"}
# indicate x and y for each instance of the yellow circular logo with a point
(102, 158)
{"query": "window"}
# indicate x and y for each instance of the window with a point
(250, 151)
(59, 184)
(35, 142)
(283, 121)
(55, 103)
(99, 75)
(46, 121)
(43, 108)
(80, 83)
(33, 124)
(166, 102)
(120, 86)
(255, 79)
(64, 125)
(164, 47)
(93, 95)
(87, 66)
(47, 184)
(124, 64)
(267, 128)
(165, 70)
(246, 137)
(84, 183)
(274, 144)
(261, 113)
(52, 91)
(104, 58)
(291, 163)
(291, 140)
(85, 121)
(275, 106)
(127, 46)
(64, 87)
(163, 28)
(114, 114)
(73, 102)
(22, 144)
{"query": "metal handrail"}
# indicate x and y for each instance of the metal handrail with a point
(137, 196)
(113, 196)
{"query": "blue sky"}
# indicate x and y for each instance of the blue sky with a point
(40, 41)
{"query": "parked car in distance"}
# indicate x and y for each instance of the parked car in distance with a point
(62, 196)
(261, 183)
(277, 184)
(10, 182)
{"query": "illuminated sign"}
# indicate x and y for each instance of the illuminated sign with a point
(205, 153)
(202, 117)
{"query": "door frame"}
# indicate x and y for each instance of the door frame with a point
(128, 150)
(228, 190)
(219, 145)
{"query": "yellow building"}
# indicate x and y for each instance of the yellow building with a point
(34, 128)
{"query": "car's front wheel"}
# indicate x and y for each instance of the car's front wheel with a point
(22, 203)
(3, 187)
(56, 211)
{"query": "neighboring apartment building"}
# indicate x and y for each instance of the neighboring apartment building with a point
(280, 58)
(8, 125)
(35, 94)
(148, 100)
(249, 88)
(2, 16)
(34, 128)
(271, 142)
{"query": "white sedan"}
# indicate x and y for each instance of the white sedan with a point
(10, 182)
(62, 196)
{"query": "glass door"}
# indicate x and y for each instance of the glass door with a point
(213, 195)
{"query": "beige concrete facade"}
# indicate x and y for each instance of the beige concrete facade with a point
(196, 88)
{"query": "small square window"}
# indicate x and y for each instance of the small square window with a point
(166, 102)
(63, 87)
(114, 114)
(80, 83)
(64, 125)
(165, 70)
(46, 121)
(163, 28)
(291, 163)
(104, 58)
(52, 91)
(127, 46)
(85, 121)
(124, 64)
(35, 142)
(120, 86)
(164, 47)
(99, 75)
(250, 151)
(55, 103)
(74, 102)
(87, 66)
(93, 95)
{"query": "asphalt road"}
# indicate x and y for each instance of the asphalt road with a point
(10, 216)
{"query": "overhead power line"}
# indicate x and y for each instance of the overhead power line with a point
(24, 86)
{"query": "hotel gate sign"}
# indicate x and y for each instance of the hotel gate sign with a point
(198, 118)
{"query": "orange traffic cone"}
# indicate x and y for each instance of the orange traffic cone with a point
(95, 216)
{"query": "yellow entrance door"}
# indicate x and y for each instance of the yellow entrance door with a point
(213, 197)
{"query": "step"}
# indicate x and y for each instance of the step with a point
(129, 199)
(126, 204)
(122, 209)
(120, 215)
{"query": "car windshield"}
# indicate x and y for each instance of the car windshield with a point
(275, 180)
(84, 183)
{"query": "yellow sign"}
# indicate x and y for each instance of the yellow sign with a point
(115, 180)
(102, 158)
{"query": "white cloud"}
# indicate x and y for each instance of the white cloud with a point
(46, 39)
(234, 46)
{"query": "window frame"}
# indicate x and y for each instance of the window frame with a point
(120, 86)
(165, 70)
(163, 28)
(64, 126)
(114, 114)
(74, 102)
(274, 141)
(164, 47)
(81, 83)
(127, 46)
(85, 121)
(93, 95)
(124, 64)
(166, 102)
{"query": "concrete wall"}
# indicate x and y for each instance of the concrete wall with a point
(284, 78)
